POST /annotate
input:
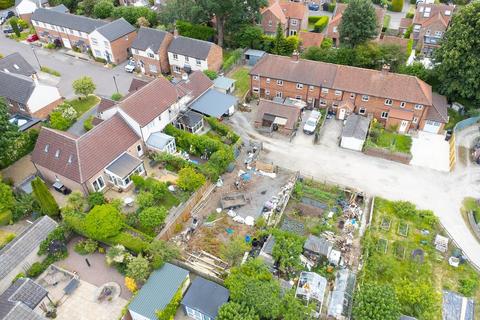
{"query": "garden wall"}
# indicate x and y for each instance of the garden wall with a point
(385, 154)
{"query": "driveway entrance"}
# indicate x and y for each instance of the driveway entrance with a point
(431, 151)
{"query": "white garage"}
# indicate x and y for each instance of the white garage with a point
(437, 115)
(355, 132)
(432, 126)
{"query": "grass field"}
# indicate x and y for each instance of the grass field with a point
(243, 81)
(403, 255)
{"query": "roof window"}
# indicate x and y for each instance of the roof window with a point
(57, 153)
(47, 146)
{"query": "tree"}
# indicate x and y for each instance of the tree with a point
(457, 60)
(287, 250)
(138, 269)
(293, 309)
(185, 10)
(234, 250)
(85, 7)
(103, 221)
(103, 9)
(9, 134)
(142, 22)
(418, 299)
(131, 14)
(236, 311)
(376, 302)
(44, 198)
(396, 6)
(84, 86)
(248, 36)
(14, 24)
(7, 200)
(359, 23)
(159, 252)
(189, 180)
(232, 13)
(152, 217)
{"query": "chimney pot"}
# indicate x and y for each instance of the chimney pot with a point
(386, 68)
(295, 55)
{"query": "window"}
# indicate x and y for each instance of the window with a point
(57, 153)
(256, 90)
(299, 86)
(176, 69)
(448, 12)
(418, 107)
(427, 32)
(324, 91)
(438, 33)
(310, 88)
(362, 110)
(268, 80)
(416, 28)
(365, 98)
(98, 53)
(280, 82)
(388, 102)
(267, 92)
(323, 102)
(298, 97)
(134, 51)
(34, 23)
(153, 68)
(199, 62)
(335, 29)
(270, 23)
(293, 22)
(415, 120)
(338, 92)
(278, 94)
(402, 104)
(194, 314)
(47, 146)
(384, 115)
(255, 77)
(175, 56)
(94, 41)
(106, 44)
(98, 184)
(61, 29)
(151, 55)
(41, 24)
(352, 95)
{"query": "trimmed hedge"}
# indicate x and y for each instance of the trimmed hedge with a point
(5, 218)
(313, 19)
(396, 6)
(321, 24)
(222, 129)
(196, 31)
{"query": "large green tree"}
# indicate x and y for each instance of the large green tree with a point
(8, 136)
(159, 252)
(185, 10)
(376, 302)
(359, 23)
(236, 311)
(103, 9)
(286, 251)
(84, 86)
(152, 217)
(44, 198)
(231, 13)
(103, 221)
(458, 58)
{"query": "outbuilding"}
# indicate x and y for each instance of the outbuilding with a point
(224, 84)
(203, 299)
(355, 132)
(252, 56)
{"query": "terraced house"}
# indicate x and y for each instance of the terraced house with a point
(400, 101)
(107, 40)
(149, 50)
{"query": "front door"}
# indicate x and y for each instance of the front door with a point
(341, 113)
(66, 43)
(139, 150)
(403, 126)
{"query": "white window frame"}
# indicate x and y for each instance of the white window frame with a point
(311, 88)
(403, 104)
(324, 91)
(338, 93)
(279, 82)
(335, 29)
(268, 80)
(267, 92)
(419, 107)
(362, 110)
(256, 90)
(279, 94)
(384, 115)
(352, 95)
(415, 120)
(199, 62)
(255, 77)
(388, 102)
(175, 56)
(299, 86)
(323, 102)
(99, 185)
(298, 97)
(365, 98)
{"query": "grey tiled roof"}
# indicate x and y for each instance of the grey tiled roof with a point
(16, 87)
(356, 127)
(318, 245)
(149, 38)
(24, 244)
(67, 20)
(189, 47)
(19, 300)
(158, 291)
(116, 29)
(206, 297)
(16, 63)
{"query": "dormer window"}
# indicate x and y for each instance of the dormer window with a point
(47, 146)
(388, 102)
(70, 159)
(57, 153)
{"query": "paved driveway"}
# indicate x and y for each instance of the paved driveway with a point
(430, 150)
(430, 189)
(70, 68)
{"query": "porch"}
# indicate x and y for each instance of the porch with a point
(120, 171)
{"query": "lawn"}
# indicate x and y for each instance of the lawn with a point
(82, 105)
(243, 81)
(386, 21)
(398, 251)
(379, 137)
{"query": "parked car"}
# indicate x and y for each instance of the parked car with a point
(311, 123)
(130, 66)
(313, 7)
(32, 38)
(9, 29)
(5, 16)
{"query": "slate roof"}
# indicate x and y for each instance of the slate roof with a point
(439, 112)
(267, 107)
(453, 303)
(16, 87)
(124, 165)
(158, 291)
(196, 84)
(149, 38)
(16, 63)
(24, 244)
(189, 118)
(89, 153)
(189, 47)
(213, 103)
(67, 20)
(19, 300)
(356, 127)
(206, 297)
(318, 245)
(116, 29)
(150, 101)
(223, 82)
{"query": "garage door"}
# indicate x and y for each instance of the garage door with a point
(431, 126)
(66, 43)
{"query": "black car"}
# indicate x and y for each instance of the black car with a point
(9, 29)
(5, 16)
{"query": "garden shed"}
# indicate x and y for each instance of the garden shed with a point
(317, 247)
(161, 287)
(457, 307)
(252, 56)
(224, 84)
(341, 300)
(203, 299)
(355, 132)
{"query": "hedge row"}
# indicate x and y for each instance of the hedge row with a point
(22, 146)
(313, 19)
(230, 61)
(222, 129)
(321, 24)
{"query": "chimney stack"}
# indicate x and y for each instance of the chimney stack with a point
(385, 68)
(295, 55)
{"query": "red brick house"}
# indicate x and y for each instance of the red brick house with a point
(292, 16)
(150, 51)
(334, 24)
(396, 100)
(429, 25)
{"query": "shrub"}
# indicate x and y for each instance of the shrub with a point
(408, 32)
(20, 147)
(171, 308)
(160, 252)
(103, 221)
(22, 23)
(189, 180)
(5, 4)
(129, 241)
(101, 60)
(313, 19)
(83, 86)
(230, 61)
(50, 71)
(131, 14)
(19, 276)
(321, 24)
(409, 46)
(44, 198)
(131, 285)
(50, 46)
(115, 254)
(56, 236)
(331, 7)
(211, 74)
(410, 15)
(116, 96)
(103, 9)
(396, 5)
(87, 124)
(87, 246)
(468, 286)
(138, 269)
(62, 117)
(222, 129)
(96, 199)
(152, 217)
(196, 31)
(35, 270)
(171, 162)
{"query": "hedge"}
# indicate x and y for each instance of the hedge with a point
(321, 24)
(409, 46)
(44, 198)
(222, 129)
(230, 61)
(5, 218)
(396, 6)
(313, 19)
(22, 146)
(196, 31)
(5, 4)
(331, 7)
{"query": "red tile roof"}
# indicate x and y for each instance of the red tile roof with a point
(294, 10)
(150, 101)
(196, 84)
(310, 39)
(438, 12)
(105, 104)
(277, 11)
(80, 158)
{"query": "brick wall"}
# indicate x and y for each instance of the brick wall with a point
(120, 47)
(215, 58)
(163, 53)
(148, 62)
(270, 28)
(57, 34)
(384, 154)
(45, 111)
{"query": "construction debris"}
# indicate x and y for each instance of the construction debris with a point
(206, 262)
(233, 201)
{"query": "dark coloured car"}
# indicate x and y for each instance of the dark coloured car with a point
(9, 29)
(313, 7)
(5, 16)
